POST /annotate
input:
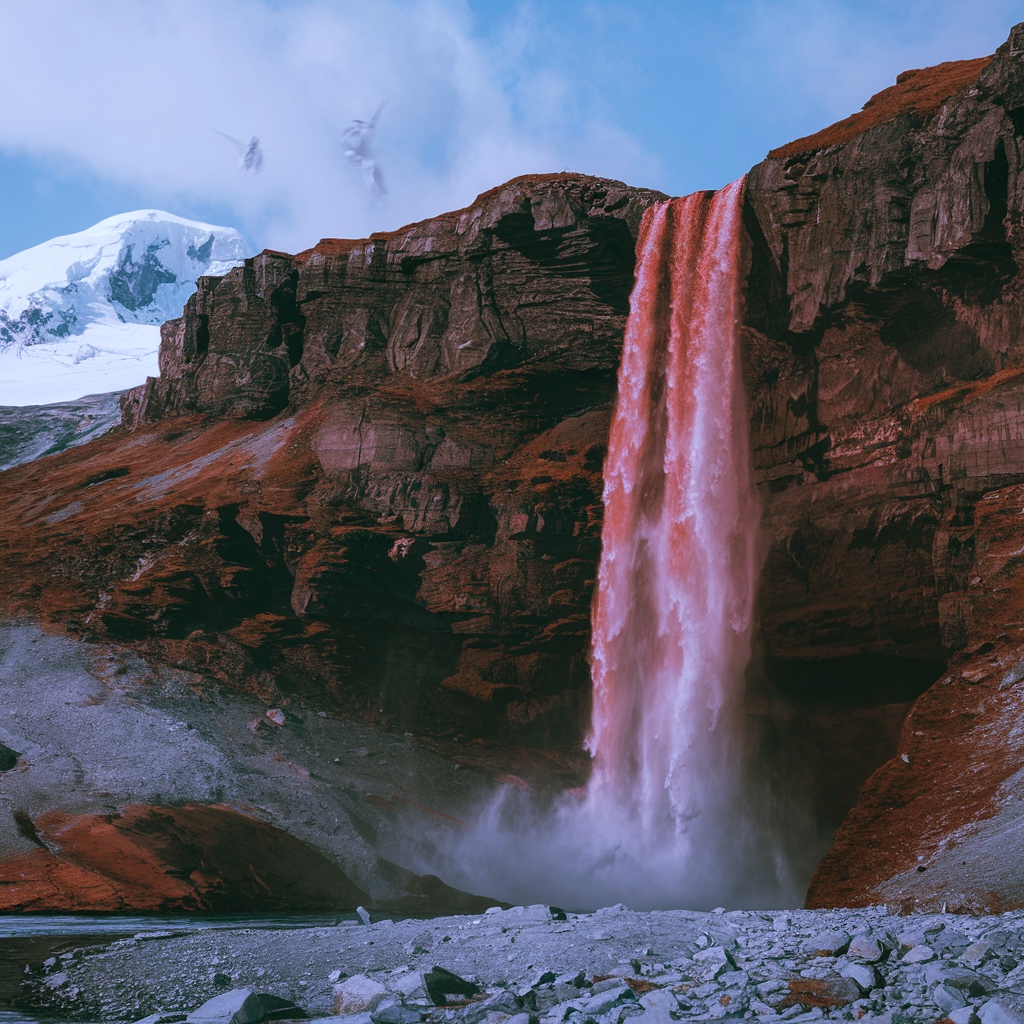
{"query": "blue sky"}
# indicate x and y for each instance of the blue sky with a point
(110, 105)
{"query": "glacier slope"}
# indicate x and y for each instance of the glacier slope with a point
(80, 314)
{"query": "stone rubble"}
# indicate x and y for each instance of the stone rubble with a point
(527, 965)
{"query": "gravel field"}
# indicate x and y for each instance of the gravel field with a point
(540, 965)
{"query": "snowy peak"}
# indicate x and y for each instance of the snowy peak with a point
(136, 267)
(80, 314)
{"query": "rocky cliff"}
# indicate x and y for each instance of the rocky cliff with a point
(367, 484)
(887, 374)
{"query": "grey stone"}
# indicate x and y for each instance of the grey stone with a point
(358, 994)
(713, 961)
(396, 1013)
(502, 1002)
(607, 999)
(867, 947)
(827, 943)
(999, 1011)
(919, 955)
(576, 978)
(243, 1006)
(977, 953)
(409, 985)
(958, 977)
(965, 1015)
(947, 998)
(866, 976)
(659, 998)
(606, 985)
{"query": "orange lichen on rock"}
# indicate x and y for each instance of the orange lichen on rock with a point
(192, 857)
(922, 91)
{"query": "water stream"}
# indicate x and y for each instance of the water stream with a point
(674, 815)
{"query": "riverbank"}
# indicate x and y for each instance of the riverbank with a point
(793, 965)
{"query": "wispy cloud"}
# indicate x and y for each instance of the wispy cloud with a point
(129, 92)
(674, 94)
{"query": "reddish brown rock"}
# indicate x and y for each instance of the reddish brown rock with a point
(194, 858)
(885, 314)
(170, 859)
(828, 993)
(369, 473)
(369, 476)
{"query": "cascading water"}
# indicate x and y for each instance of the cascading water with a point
(673, 615)
(671, 816)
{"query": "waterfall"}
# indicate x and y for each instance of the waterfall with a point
(672, 816)
(673, 615)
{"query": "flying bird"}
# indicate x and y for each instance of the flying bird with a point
(250, 157)
(358, 142)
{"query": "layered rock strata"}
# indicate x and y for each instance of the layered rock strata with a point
(367, 485)
(368, 478)
(886, 375)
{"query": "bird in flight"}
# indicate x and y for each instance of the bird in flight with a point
(358, 142)
(250, 157)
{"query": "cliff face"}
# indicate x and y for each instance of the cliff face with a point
(887, 376)
(369, 473)
(368, 483)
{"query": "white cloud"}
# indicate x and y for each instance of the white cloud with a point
(129, 92)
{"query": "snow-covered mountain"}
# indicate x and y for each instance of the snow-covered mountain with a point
(81, 314)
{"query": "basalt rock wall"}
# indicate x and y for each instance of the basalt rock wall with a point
(886, 371)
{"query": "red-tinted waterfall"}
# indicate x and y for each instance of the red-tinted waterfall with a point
(672, 816)
(672, 618)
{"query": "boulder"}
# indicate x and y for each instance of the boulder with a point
(358, 994)
(443, 986)
(243, 1006)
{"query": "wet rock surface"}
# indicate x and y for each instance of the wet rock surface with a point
(884, 315)
(530, 964)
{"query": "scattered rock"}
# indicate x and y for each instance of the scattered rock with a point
(828, 944)
(948, 999)
(410, 986)
(608, 999)
(358, 994)
(963, 1016)
(713, 961)
(977, 953)
(867, 947)
(864, 975)
(396, 1013)
(1000, 1011)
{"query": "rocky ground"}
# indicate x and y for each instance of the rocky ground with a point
(539, 965)
(32, 431)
